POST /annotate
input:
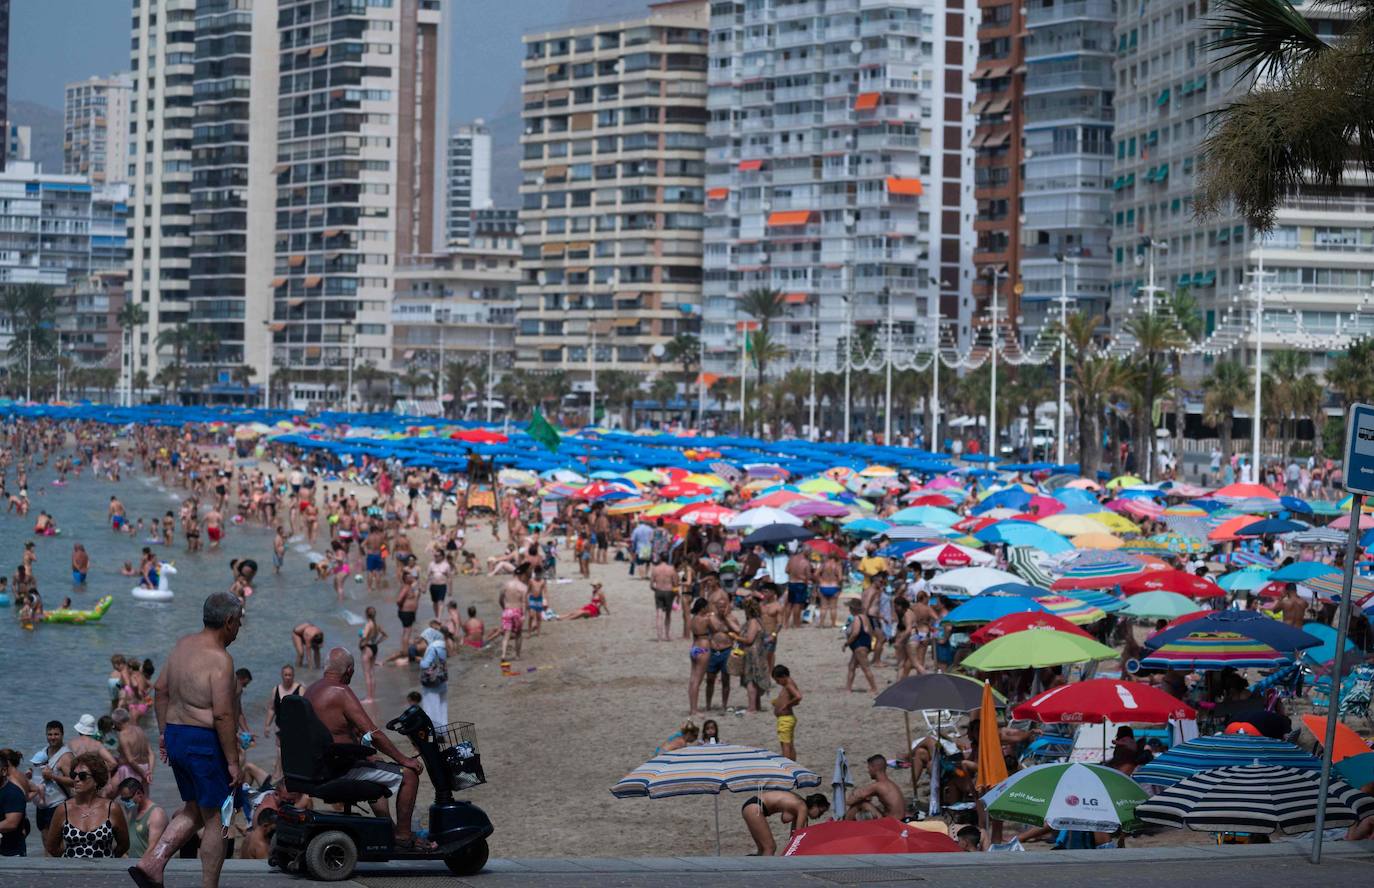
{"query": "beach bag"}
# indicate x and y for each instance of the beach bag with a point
(434, 675)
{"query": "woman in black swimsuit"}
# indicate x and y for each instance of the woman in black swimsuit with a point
(859, 640)
(86, 830)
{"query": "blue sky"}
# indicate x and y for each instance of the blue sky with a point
(53, 42)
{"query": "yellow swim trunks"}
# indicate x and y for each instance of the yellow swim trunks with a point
(787, 727)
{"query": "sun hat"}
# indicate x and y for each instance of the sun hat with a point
(85, 726)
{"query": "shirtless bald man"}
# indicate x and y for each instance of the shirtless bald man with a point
(881, 798)
(341, 712)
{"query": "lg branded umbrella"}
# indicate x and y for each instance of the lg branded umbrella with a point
(1259, 799)
(885, 836)
(776, 534)
(711, 770)
(1183, 760)
(1067, 796)
(1103, 700)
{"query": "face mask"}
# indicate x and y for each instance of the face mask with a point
(130, 806)
(226, 812)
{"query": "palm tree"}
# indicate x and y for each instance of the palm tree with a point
(413, 378)
(132, 315)
(1307, 118)
(32, 313)
(1156, 334)
(1186, 314)
(763, 349)
(663, 390)
(181, 339)
(763, 305)
(365, 375)
(516, 389)
(1286, 369)
(1226, 391)
(616, 389)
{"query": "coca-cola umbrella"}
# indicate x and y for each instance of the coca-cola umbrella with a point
(1104, 699)
(1020, 623)
(1172, 580)
(887, 835)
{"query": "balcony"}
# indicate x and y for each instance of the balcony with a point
(1064, 10)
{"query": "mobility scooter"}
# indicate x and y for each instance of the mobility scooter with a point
(327, 845)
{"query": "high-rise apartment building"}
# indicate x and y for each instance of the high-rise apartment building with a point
(838, 172)
(57, 229)
(161, 111)
(457, 306)
(612, 190)
(361, 121)
(233, 183)
(1000, 80)
(4, 72)
(96, 137)
(1066, 196)
(469, 178)
(1316, 260)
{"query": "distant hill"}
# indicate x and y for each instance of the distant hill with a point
(47, 128)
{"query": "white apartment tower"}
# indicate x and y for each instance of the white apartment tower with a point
(837, 173)
(469, 178)
(360, 126)
(96, 136)
(161, 109)
(611, 191)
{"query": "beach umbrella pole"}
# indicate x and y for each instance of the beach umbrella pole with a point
(1333, 708)
(717, 798)
(911, 752)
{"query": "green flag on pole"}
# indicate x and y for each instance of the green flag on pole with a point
(541, 431)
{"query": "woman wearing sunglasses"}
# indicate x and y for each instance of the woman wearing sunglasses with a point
(90, 827)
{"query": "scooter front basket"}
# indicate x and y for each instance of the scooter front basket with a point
(458, 744)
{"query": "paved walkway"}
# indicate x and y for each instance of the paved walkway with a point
(1216, 867)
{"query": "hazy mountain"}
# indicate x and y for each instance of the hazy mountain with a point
(47, 132)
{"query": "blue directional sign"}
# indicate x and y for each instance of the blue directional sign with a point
(1359, 450)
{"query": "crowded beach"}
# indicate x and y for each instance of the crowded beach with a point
(833, 637)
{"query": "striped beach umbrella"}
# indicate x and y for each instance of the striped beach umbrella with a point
(1066, 796)
(1243, 558)
(1022, 559)
(1317, 536)
(1098, 575)
(1179, 544)
(706, 770)
(1183, 760)
(1214, 650)
(1072, 609)
(1259, 799)
(1329, 586)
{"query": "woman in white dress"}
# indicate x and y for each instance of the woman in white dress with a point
(434, 697)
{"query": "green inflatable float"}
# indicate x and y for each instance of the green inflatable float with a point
(67, 615)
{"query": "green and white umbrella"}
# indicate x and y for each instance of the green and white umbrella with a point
(1067, 796)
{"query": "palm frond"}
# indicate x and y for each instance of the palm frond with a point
(1262, 37)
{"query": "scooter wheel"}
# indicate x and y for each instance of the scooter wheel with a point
(331, 856)
(469, 860)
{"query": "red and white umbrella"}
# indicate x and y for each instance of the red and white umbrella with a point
(949, 555)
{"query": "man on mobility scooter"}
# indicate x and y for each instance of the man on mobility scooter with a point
(322, 758)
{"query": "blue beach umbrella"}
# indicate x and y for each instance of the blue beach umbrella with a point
(986, 608)
(1251, 624)
(1271, 526)
(1299, 571)
(931, 516)
(1011, 498)
(865, 527)
(1024, 533)
(1185, 759)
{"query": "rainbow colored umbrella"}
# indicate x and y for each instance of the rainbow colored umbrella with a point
(1096, 575)
(1214, 650)
(1078, 612)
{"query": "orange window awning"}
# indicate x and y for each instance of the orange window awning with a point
(296, 261)
(579, 247)
(750, 165)
(552, 249)
(707, 379)
(277, 282)
(896, 185)
(717, 193)
(313, 281)
(333, 232)
(795, 298)
(867, 101)
(783, 218)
